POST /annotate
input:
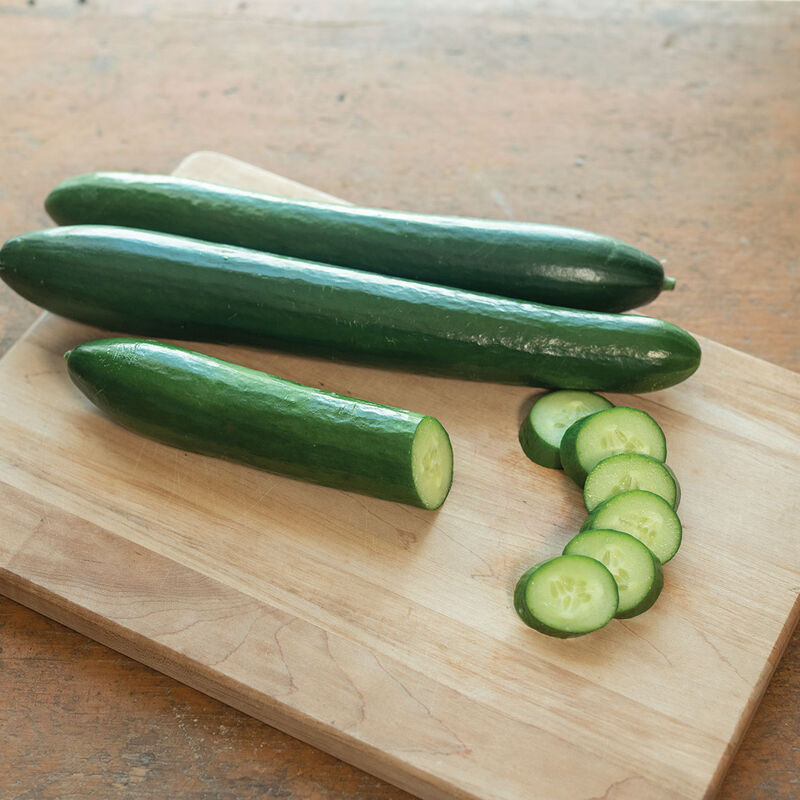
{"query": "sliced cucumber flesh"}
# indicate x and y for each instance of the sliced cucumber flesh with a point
(431, 462)
(543, 427)
(567, 596)
(636, 570)
(606, 433)
(645, 515)
(625, 472)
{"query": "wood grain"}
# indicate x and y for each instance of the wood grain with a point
(675, 128)
(385, 635)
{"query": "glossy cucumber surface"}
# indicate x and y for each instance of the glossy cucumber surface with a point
(205, 405)
(544, 263)
(165, 286)
(544, 426)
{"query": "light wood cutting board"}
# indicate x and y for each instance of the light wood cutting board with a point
(386, 634)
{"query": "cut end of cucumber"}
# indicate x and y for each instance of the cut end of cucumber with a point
(567, 596)
(625, 472)
(431, 463)
(543, 428)
(606, 433)
(636, 570)
(669, 283)
(553, 413)
(642, 514)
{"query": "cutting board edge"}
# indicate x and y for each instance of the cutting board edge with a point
(400, 774)
(249, 174)
(756, 696)
(294, 723)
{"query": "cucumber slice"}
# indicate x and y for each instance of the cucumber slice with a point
(626, 471)
(648, 517)
(636, 570)
(431, 463)
(606, 433)
(552, 413)
(567, 596)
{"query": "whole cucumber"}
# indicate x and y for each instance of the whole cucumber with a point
(159, 285)
(199, 403)
(544, 263)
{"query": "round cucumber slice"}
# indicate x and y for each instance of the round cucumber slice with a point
(636, 570)
(543, 427)
(606, 433)
(625, 472)
(431, 463)
(648, 517)
(567, 596)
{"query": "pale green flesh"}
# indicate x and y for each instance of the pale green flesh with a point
(553, 413)
(619, 430)
(572, 594)
(625, 472)
(625, 557)
(431, 462)
(644, 515)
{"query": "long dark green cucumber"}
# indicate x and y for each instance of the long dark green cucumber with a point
(208, 406)
(165, 286)
(544, 263)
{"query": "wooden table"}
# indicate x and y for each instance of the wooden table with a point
(673, 126)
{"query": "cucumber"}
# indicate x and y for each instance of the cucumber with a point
(163, 286)
(543, 427)
(567, 596)
(626, 471)
(198, 403)
(543, 263)
(648, 517)
(605, 433)
(636, 570)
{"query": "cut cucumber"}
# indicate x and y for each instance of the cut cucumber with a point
(567, 596)
(636, 570)
(552, 413)
(606, 433)
(199, 403)
(648, 517)
(431, 463)
(627, 471)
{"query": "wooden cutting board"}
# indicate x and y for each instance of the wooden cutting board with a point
(386, 634)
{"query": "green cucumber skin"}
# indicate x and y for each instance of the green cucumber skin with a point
(677, 487)
(568, 451)
(535, 448)
(521, 606)
(163, 286)
(525, 615)
(546, 264)
(570, 462)
(670, 472)
(204, 405)
(589, 522)
(648, 601)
